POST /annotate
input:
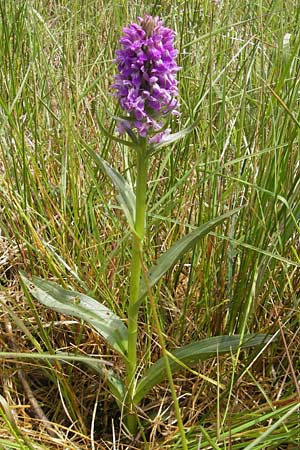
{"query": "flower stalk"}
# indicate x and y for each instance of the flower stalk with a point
(133, 307)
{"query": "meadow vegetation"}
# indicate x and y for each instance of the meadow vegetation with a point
(60, 220)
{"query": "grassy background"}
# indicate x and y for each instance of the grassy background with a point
(60, 220)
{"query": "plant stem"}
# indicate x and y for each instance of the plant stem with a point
(138, 236)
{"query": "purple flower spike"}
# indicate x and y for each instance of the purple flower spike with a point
(146, 84)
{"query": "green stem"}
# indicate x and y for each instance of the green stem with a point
(138, 236)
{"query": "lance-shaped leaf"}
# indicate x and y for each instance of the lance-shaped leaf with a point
(75, 304)
(193, 353)
(171, 138)
(115, 384)
(125, 195)
(119, 140)
(173, 254)
(115, 138)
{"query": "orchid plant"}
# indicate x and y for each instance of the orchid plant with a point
(147, 90)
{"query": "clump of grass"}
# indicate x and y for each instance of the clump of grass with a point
(240, 80)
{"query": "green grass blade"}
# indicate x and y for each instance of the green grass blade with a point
(270, 430)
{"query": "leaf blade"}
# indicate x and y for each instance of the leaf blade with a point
(73, 303)
(126, 196)
(171, 138)
(191, 354)
(116, 386)
(174, 253)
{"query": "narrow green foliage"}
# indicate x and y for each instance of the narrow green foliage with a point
(126, 195)
(171, 139)
(73, 303)
(173, 254)
(192, 354)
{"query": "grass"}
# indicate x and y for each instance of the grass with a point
(60, 220)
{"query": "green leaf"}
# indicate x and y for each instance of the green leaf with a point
(73, 303)
(125, 122)
(193, 353)
(115, 138)
(115, 384)
(126, 195)
(173, 254)
(171, 138)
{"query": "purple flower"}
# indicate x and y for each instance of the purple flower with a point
(146, 84)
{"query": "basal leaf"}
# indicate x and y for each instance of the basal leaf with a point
(173, 254)
(115, 384)
(191, 354)
(75, 304)
(126, 196)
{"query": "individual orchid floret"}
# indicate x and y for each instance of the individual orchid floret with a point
(146, 84)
